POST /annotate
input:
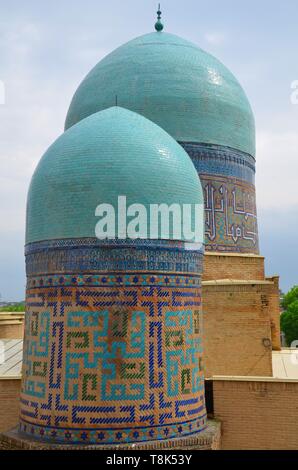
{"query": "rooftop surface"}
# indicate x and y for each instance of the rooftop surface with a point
(285, 363)
(11, 350)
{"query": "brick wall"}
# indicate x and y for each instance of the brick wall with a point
(9, 403)
(12, 331)
(237, 328)
(239, 318)
(274, 309)
(257, 414)
(11, 325)
(233, 266)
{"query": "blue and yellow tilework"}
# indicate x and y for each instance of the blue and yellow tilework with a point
(228, 180)
(112, 355)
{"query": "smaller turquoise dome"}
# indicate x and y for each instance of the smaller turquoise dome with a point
(112, 153)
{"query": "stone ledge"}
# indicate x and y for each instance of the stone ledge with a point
(250, 378)
(11, 318)
(210, 439)
(237, 282)
(233, 255)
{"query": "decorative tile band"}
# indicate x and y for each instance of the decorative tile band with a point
(95, 259)
(230, 215)
(225, 161)
(107, 279)
(112, 243)
(113, 436)
(227, 176)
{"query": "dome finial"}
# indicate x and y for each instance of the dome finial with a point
(158, 24)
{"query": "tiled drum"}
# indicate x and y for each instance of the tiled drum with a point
(112, 348)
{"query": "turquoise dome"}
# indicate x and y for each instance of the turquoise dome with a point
(111, 153)
(177, 85)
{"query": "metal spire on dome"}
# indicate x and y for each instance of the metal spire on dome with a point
(158, 24)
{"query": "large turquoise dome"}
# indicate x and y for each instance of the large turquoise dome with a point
(111, 153)
(172, 82)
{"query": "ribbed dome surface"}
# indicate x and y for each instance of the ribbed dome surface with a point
(177, 85)
(112, 153)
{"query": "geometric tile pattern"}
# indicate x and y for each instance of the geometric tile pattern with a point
(79, 258)
(228, 179)
(120, 279)
(114, 361)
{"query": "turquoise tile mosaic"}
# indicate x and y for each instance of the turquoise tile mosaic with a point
(112, 153)
(112, 345)
(175, 84)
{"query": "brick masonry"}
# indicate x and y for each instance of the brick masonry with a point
(237, 329)
(241, 315)
(257, 415)
(11, 325)
(9, 403)
(233, 266)
(11, 331)
(237, 318)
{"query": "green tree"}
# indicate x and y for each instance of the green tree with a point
(289, 322)
(289, 298)
(13, 308)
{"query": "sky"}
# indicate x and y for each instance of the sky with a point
(47, 48)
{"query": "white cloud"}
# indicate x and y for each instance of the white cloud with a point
(215, 38)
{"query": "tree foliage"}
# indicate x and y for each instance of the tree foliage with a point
(289, 298)
(13, 308)
(289, 319)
